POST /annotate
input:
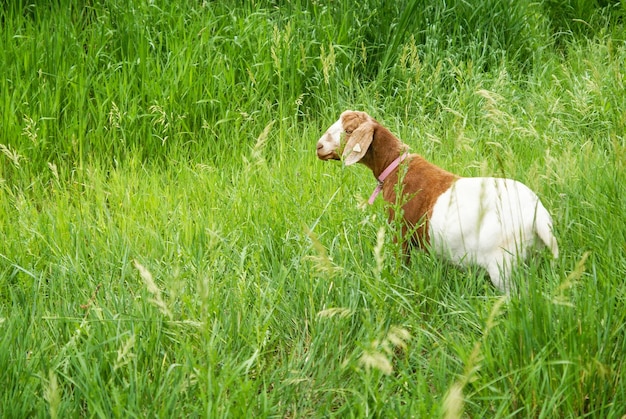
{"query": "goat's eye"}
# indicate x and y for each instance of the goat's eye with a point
(348, 131)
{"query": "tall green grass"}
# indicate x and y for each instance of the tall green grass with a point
(171, 246)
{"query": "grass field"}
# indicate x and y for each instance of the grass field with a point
(170, 246)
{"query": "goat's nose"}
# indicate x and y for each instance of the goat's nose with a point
(319, 145)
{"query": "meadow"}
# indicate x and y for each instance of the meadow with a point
(170, 246)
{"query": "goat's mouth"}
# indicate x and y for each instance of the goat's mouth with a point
(330, 156)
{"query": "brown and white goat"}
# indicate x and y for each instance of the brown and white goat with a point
(490, 222)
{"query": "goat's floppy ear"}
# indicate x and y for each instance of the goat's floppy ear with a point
(358, 143)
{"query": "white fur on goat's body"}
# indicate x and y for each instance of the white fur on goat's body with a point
(490, 222)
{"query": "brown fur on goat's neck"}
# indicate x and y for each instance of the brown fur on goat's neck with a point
(424, 183)
(385, 148)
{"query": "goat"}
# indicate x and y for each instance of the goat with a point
(490, 222)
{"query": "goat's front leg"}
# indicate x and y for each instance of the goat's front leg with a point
(405, 243)
(403, 237)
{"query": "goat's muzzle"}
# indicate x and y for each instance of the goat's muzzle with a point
(322, 155)
(323, 152)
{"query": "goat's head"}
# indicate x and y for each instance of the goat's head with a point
(358, 128)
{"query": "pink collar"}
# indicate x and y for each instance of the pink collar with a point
(381, 179)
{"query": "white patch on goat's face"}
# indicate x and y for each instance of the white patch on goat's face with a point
(328, 145)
